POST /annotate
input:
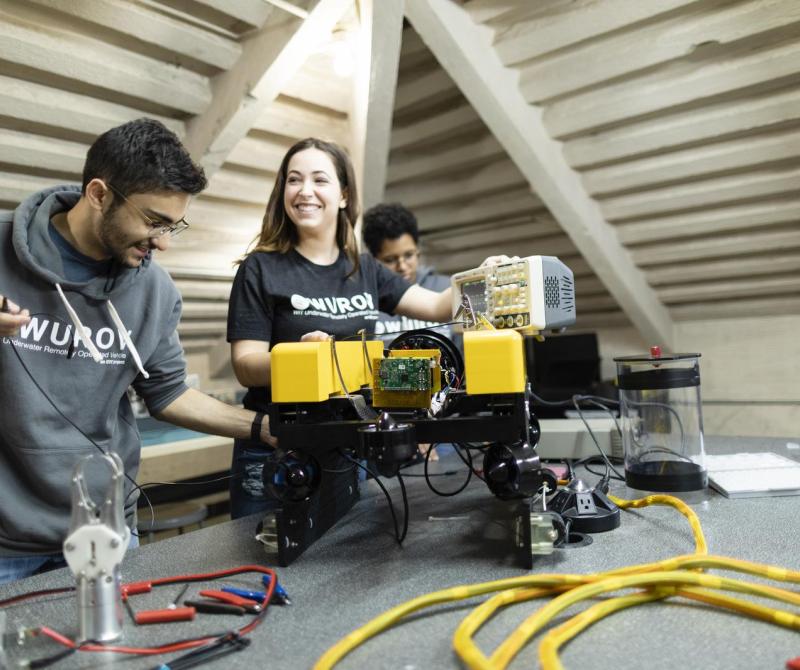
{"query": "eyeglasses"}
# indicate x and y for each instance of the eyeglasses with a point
(157, 229)
(406, 258)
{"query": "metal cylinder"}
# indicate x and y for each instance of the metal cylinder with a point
(100, 607)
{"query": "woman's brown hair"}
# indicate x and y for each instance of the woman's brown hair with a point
(278, 232)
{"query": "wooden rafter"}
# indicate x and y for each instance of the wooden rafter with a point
(269, 60)
(465, 51)
(387, 28)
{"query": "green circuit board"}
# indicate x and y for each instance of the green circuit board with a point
(405, 374)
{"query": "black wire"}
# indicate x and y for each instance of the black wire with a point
(609, 467)
(141, 487)
(449, 473)
(75, 426)
(52, 660)
(597, 401)
(200, 483)
(603, 475)
(476, 447)
(405, 506)
(565, 403)
(13, 600)
(458, 446)
(338, 472)
(444, 494)
(375, 476)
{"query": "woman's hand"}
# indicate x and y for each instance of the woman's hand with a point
(315, 336)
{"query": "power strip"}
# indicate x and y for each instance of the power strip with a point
(568, 438)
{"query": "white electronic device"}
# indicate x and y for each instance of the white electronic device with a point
(531, 294)
(569, 438)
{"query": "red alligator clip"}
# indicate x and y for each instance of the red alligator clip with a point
(245, 603)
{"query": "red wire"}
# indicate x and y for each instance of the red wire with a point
(178, 646)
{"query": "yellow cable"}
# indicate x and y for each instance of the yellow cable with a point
(534, 623)
(661, 579)
(392, 616)
(694, 521)
(548, 648)
(463, 643)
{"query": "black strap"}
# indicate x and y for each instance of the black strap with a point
(255, 429)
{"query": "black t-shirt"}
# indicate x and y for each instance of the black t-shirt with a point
(279, 297)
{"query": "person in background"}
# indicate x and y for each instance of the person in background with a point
(85, 312)
(391, 234)
(304, 280)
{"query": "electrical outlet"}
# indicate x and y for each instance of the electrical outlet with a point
(585, 504)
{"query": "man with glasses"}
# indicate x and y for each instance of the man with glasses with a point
(85, 313)
(391, 234)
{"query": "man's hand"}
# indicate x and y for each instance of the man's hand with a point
(11, 317)
(266, 436)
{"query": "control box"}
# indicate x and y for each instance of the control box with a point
(530, 294)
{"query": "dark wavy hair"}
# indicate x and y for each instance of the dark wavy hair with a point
(278, 232)
(388, 222)
(143, 156)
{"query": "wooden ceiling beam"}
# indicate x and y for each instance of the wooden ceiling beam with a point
(451, 189)
(464, 50)
(75, 58)
(711, 122)
(152, 28)
(34, 104)
(374, 95)
(743, 72)
(31, 151)
(719, 246)
(674, 38)
(269, 60)
(584, 20)
(704, 193)
(744, 216)
(483, 149)
(702, 271)
(689, 165)
(290, 117)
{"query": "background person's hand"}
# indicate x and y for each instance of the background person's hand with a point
(12, 318)
(497, 260)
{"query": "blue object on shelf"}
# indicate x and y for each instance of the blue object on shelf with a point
(152, 431)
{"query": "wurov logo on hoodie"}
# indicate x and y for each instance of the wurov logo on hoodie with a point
(54, 337)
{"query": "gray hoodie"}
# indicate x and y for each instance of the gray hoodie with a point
(51, 402)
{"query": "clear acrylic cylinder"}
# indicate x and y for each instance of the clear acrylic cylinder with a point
(662, 422)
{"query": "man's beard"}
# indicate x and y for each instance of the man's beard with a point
(116, 242)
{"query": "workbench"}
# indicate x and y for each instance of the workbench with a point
(357, 571)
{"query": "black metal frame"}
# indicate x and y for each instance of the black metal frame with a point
(324, 429)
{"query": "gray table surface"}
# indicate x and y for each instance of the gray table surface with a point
(357, 572)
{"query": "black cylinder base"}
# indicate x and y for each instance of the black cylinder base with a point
(666, 476)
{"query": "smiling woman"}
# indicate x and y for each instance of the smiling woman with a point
(305, 280)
